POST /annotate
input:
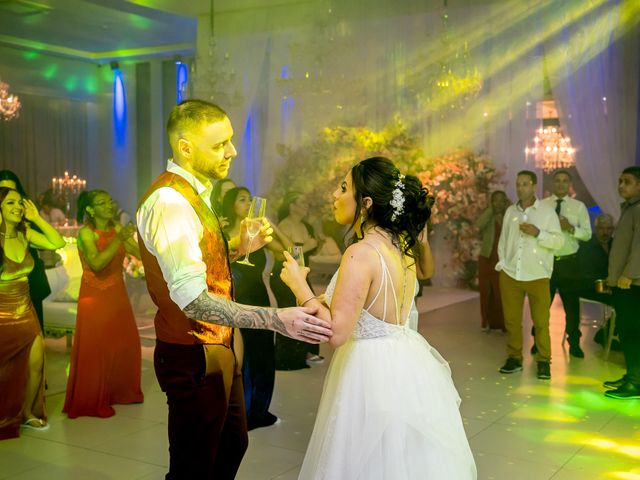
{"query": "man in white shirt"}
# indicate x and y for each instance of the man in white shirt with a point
(186, 259)
(575, 224)
(530, 235)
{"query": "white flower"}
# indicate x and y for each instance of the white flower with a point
(397, 202)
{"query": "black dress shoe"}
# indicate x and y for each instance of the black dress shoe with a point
(615, 383)
(626, 391)
(576, 351)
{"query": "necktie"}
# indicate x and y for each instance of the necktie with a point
(558, 205)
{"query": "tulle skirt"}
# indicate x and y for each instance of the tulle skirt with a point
(389, 410)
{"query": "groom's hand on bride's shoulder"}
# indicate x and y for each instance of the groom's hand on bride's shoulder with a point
(301, 324)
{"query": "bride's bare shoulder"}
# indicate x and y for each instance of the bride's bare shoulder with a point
(360, 253)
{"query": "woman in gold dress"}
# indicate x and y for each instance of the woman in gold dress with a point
(21, 341)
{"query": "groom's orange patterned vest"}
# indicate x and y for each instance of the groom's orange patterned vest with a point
(173, 326)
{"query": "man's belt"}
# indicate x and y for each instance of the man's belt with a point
(565, 257)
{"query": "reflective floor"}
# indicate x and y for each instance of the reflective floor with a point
(519, 427)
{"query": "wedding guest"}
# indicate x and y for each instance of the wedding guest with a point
(530, 235)
(576, 228)
(258, 366)
(49, 210)
(593, 261)
(220, 188)
(624, 280)
(186, 260)
(292, 354)
(106, 357)
(389, 408)
(39, 288)
(490, 225)
(22, 401)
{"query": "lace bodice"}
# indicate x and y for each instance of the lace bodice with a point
(369, 326)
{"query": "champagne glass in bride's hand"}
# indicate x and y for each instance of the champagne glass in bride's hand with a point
(253, 223)
(297, 254)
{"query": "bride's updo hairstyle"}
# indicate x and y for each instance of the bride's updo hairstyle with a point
(401, 205)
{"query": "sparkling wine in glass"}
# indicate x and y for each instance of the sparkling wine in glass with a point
(257, 211)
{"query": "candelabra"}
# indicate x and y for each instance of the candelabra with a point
(9, 104)
(67, 189)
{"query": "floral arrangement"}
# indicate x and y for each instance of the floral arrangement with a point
(318, 167)
(133, 266)
(460, 181)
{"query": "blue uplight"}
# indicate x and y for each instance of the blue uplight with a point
(182, 77)
(119, 108)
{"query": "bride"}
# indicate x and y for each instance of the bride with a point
(389, 409)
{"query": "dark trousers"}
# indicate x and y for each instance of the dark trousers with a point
(207, 423)
(627, 305)
(565, 281)
(490, 301)
(258, 374)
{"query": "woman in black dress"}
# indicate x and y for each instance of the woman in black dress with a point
(292, 354)
(258, 367)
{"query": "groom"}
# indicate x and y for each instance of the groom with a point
(186, 260)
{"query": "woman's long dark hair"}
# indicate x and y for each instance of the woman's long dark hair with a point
(216, 200)
(229, 203)
(376, 177)
(10, 175)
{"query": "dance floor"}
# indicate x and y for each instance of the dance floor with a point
(519, 427)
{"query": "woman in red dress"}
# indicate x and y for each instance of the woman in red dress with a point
(21, 342)
(105, 359)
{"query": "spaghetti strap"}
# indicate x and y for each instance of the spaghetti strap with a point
(384, 282)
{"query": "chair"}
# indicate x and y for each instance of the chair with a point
(608, 313)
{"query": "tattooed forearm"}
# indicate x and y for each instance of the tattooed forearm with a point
(218, 310)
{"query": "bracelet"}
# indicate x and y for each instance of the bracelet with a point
(309, 299)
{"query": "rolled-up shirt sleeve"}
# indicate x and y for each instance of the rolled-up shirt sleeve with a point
(171, 231)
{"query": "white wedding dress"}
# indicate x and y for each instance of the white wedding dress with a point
(389, 409)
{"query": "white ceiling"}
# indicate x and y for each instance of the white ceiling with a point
(99, 31)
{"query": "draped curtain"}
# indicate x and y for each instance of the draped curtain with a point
(595, 85)
(49, 137)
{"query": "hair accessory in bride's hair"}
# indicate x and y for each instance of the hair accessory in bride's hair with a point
(397, 202)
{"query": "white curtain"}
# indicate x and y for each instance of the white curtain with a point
(49, 137)
(593, 68)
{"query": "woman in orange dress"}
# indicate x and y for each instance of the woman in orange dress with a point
(105, 358)
(21, 342)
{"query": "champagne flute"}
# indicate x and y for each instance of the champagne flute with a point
(297, 253)
(257, 211)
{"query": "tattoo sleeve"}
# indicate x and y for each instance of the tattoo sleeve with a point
(218, 310)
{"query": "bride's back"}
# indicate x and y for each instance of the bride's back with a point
(394, 277)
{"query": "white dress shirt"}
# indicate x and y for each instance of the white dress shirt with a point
(171, 231)
(522, 256)
(576, 213)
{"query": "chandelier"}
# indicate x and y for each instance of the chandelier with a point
(213, 73)
(66, 191)
(551, 149)
(9, 104)
(455, 83)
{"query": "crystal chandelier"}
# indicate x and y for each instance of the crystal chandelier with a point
(9, 104)
(551, 149)
(214, 75)
(454, 84)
